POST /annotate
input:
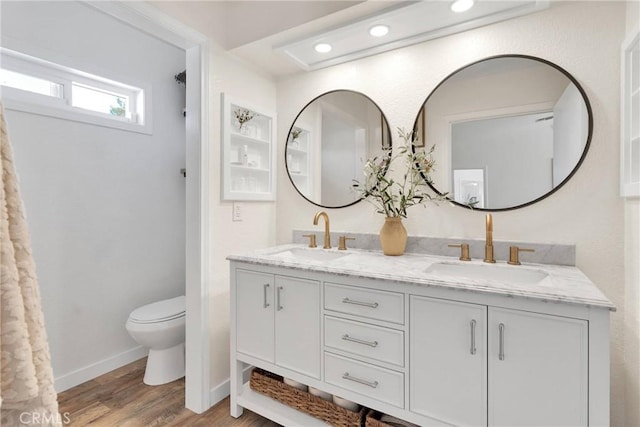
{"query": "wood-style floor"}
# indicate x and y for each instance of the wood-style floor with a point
(120, 399)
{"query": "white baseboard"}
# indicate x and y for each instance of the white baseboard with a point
(87, 373)
(222, 390)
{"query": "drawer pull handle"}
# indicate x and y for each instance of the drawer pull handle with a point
(356, 340)
(264, 288)
(473, 336)
(346, 376)
(365, 304)
(501, 351)
(280, 288)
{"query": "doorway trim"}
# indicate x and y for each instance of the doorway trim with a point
(150, 20)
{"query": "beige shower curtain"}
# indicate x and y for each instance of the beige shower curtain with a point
(27, 393)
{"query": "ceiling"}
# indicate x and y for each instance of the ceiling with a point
(277, 37)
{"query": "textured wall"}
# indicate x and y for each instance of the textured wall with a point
(582, 37)
(257, 228)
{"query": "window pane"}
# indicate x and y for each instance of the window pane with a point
(30, 83)
(94, 99)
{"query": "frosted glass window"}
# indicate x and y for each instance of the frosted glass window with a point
(30, 84)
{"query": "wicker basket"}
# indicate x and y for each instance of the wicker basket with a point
(373, 419)
(271, 385)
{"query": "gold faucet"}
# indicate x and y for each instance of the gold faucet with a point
(488, 246)
(327, 234)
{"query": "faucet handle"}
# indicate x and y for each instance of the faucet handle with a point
(342, 242)
(514, 253)
(312, 240)
(464, 251)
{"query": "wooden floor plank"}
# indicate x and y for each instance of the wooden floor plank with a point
(120, 399)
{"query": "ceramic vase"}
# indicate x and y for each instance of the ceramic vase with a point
(393, 236)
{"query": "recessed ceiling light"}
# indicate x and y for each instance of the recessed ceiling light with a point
(461, 5)
(322, 47)
(379, 30)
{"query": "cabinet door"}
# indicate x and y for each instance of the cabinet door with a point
(297, 306)
(538, 369)
(448, 364)
(254, 314)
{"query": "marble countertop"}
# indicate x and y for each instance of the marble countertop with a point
(562, 283)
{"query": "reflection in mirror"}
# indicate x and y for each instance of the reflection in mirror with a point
(508, 131)
(329, 143)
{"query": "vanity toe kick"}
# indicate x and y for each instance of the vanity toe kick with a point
(378, 383)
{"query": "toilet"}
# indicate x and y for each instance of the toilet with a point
(160, 326)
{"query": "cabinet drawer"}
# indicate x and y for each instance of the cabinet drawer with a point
(374, 342)
(380, 305)
(378, 383)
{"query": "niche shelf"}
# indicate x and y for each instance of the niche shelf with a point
(299, 160)
(630, 127)
(248, 152)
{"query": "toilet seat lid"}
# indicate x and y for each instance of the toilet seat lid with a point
(159, 311)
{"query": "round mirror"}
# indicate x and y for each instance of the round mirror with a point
(508, 131)
(329, 143)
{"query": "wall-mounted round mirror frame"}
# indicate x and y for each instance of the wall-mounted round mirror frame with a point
(330, 111)
(421, 119)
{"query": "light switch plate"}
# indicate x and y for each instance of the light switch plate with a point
(237, 211)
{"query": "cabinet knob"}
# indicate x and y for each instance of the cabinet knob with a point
(514, 252)
(464, 251)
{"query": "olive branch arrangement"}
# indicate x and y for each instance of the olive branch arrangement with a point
(295, 133)
(243, 116)
(393, 197)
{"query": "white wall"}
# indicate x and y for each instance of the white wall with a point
(105, 206)
(257, 228)
(632, 280)
(583, 38)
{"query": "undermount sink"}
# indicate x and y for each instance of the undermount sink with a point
(505, 274)
(303, 254)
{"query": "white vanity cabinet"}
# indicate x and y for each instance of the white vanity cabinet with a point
(538, 369)
(534, 366)
(359, 356)
(448, 356)
(430, 354)
(254, 314)
(278, 320)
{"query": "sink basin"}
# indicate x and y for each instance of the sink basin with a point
(505, 274)
(302, 254)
